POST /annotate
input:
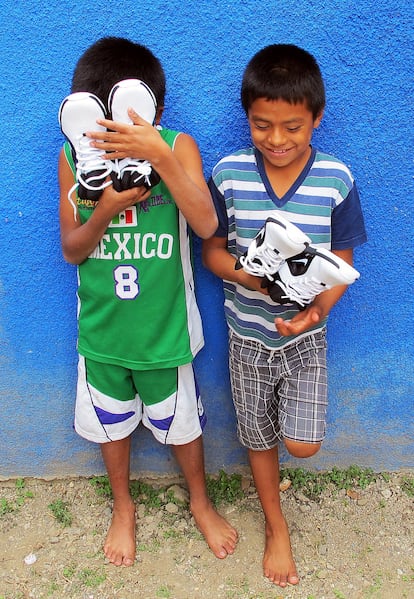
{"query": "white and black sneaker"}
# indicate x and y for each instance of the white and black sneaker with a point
(132, 93)
(276, 241)
(301, 278)
(78, 113)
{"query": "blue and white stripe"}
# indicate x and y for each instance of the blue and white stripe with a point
(323, 195)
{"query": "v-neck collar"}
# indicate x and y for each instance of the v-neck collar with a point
(294, 187)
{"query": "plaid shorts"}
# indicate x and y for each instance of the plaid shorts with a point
(279, 393)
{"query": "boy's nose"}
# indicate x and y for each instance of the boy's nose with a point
(277, 136)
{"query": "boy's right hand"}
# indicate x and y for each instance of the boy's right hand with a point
(112, 202)
(80, 239)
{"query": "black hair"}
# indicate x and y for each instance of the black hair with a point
(284, 72)
(112, 59)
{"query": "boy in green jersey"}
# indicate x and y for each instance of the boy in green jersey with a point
(139, 325)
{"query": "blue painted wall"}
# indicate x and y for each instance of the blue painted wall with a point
(366, 54)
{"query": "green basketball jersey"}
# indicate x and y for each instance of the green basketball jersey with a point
(137, 306)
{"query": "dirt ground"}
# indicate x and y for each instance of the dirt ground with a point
(347, 544)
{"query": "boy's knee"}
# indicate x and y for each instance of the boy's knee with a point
(302, 450)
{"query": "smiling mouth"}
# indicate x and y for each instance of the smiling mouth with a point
(278, 152)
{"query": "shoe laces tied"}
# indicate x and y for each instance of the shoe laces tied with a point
(143, 168)
(264, 263)
(301, 292)
(89, 160)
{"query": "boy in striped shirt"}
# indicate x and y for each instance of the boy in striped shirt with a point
(277, 351)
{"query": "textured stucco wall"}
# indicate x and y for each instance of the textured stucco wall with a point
(366, 54)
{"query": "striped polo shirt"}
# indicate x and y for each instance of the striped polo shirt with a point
(323, 202)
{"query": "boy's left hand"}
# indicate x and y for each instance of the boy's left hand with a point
(318, 309)
(302, 321)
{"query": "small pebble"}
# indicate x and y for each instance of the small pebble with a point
(30, 559)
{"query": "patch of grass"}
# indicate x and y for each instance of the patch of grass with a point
(151, 497)
(102, 486)
(5, 508)
(164, 592)
(312, 484)
(375, 587)
(91, 578)
(224, 488)
(227, 488)
(171, 533)
(53, 586)
(22, 493)
(8, 506)
(61, 512)
(144, 493)
(407, 485)
(171, 498)
(151, 547)
(69, 572)
(354, 476)
(241, 589)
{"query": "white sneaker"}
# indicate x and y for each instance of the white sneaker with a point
(133, 93)
(77, 114)
(276, 241)
(301, 278)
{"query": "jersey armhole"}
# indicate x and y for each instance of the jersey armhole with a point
(69, 157)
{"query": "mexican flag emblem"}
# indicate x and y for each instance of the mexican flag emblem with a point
(126, 218)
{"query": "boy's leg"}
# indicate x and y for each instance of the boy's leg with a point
(178, 420)
(278, 564)
(107, 412)
(253, 379)
(302, 408)
(119, 546)
(220, 536)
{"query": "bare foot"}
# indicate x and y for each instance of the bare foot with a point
(119, 547)
(278, 564)
(220, 536)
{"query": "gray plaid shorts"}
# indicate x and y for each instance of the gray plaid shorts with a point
(279, 393)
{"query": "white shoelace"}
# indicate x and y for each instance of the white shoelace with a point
(264, 263)
(142, 167)
(89, 159)
(302, 292)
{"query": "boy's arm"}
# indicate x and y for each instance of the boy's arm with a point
(318, 309)
(182, 172)
(180, 169)
(79, 240)
(217, 259)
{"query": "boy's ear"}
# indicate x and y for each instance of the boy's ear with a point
(158, 115)
(318, 119)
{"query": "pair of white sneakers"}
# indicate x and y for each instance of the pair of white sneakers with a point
(78, 114)
(293, 271)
